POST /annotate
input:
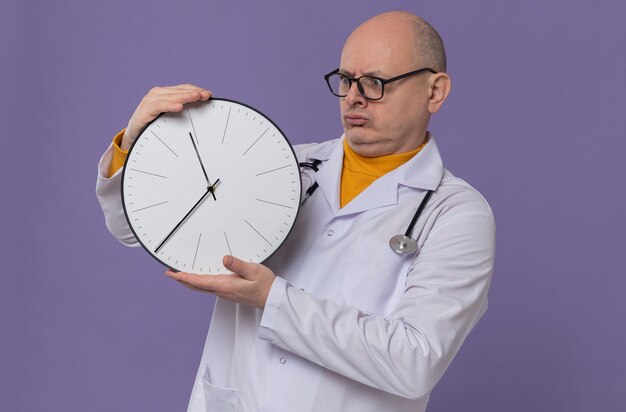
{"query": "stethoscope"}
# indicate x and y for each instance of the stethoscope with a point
(401, 244)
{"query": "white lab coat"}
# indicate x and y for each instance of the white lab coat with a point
(349, 325)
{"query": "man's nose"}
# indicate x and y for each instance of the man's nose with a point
(354, 96)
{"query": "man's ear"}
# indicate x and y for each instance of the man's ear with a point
(438, 91)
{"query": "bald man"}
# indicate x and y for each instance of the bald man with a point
(336, 320)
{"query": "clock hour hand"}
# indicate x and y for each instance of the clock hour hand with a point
(209, 190)
(212, 188)
(199, 159)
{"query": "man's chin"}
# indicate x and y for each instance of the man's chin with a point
(365, 147)
(358, 136)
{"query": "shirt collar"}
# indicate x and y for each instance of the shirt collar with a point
(423, 172)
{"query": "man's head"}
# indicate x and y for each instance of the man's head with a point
(386, 46)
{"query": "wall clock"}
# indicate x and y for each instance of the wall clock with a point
(217, 178)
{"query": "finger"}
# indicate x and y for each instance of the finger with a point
(194, 288)
(171, 102)
(165, 89)
(170, 99)
(170, 273)
(189, 86)
(201, 93)
(159, 92)
(190, 280)
(211, 283)
(238, 266)
(180, 96)
(157, 107)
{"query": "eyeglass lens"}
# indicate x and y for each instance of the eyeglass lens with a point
(370, 87)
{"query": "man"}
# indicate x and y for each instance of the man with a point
(335, 320)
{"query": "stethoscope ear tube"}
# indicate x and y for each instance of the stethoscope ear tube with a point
(405, 244)
(314, 165)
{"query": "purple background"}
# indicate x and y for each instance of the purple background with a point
(535, 121)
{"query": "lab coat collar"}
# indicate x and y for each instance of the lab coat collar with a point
(423, 172)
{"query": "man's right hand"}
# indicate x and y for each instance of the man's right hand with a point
(160, 100)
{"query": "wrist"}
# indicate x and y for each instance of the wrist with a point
(126, 141)
(266, 293)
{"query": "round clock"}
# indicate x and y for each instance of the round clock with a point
(218, 178)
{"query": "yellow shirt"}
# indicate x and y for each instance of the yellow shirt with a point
(119, 155)
(357, 173)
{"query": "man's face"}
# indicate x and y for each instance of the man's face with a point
(397, 123)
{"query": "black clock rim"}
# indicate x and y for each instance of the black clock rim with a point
(206, 101)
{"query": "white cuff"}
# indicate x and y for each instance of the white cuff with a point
(278, 292)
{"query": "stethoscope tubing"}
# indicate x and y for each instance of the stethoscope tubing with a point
(418, 213)
(314, 165)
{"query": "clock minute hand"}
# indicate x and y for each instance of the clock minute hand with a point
(209, 190)
(199, 159)
(212, 188)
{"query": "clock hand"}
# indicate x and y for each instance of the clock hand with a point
(212, 188)
(199, 159)
(209, 190)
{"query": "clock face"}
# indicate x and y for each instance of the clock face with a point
(218, 178)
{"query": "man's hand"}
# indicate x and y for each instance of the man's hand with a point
(160, 100)
(249, 284)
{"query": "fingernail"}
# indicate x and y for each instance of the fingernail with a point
(228, 260)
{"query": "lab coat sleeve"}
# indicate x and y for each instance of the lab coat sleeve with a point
(108, 191)
(406, 352)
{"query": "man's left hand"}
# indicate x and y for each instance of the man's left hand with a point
(249, 283)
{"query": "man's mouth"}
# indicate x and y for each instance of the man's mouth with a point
(355, 119)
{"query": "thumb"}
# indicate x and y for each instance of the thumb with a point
(243, 269)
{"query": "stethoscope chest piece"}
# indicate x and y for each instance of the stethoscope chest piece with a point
(403, 244)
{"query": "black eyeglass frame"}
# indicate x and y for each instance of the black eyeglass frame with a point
(383, 82)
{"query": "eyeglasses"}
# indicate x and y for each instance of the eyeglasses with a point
(370, 87)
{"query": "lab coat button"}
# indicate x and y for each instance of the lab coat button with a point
(283, 360)
(330, 232)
